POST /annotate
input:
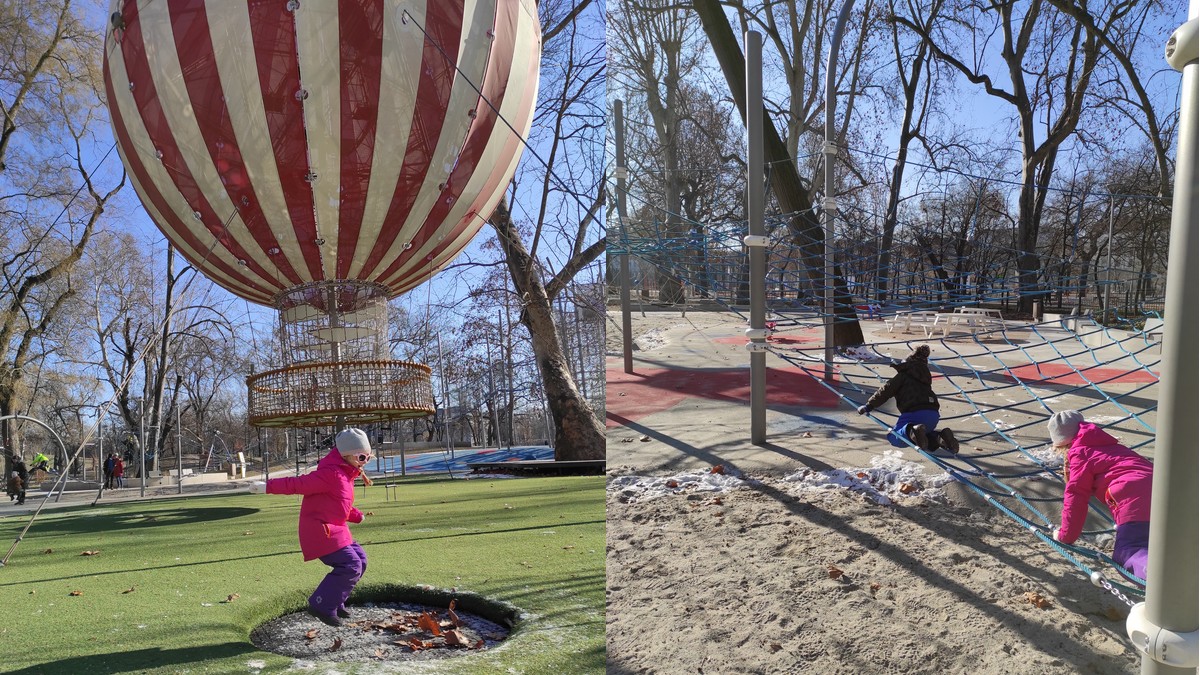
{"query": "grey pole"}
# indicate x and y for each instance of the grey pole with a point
(829, 207)
(142, 450)
(756, 241)
(1108, 272)
(178, 449)
(1164, 627)
(623, 258)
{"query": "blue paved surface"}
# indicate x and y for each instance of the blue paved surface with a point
(436, 462)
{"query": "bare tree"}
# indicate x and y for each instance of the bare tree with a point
(792, 193)
(1049, 61)
(47, 76)
(578, 432)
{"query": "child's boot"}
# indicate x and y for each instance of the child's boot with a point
(948, 440)
(916, 434)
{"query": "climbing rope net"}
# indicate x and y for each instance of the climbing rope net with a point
(997, 381)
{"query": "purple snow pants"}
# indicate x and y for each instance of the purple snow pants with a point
(1130, 549)
(348, 563)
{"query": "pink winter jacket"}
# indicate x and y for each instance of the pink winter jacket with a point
(1098, 466)
(328, 503)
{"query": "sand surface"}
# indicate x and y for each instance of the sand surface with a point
(825, 551)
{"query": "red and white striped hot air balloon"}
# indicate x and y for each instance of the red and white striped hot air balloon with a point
(322, 156)
(277, 143)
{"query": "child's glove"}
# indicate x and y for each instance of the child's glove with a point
(1054, 534)
(864, 409)
(258, 487)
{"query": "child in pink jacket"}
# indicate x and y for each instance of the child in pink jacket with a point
(327, 506)
(1096, 465)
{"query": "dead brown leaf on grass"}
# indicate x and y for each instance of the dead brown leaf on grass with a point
(312, 634)
(231, 598)
(337, 644)
(90, 553)
(129, 590)
(75, 593)
(454, 638)
(49, 550)
(428, 624)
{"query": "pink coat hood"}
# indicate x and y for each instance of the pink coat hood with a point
(327, 505)
(1099, 466)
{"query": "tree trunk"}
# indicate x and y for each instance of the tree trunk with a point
(789, 190)
(578, 434)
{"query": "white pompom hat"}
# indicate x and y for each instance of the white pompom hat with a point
(352, 442)
(1064, 426)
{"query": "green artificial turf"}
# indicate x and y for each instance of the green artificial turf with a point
(156, 598)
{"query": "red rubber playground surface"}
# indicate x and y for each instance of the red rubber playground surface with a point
(1060, 373)
(631, 397)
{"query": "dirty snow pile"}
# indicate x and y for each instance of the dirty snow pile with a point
(638, 488)
(652, 339)
(887, 479)
(1048, 457)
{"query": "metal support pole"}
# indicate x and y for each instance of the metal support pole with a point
(756, 241)
(178, 449)
(829, 207)
(1172, 576)
(445, 398)
(623, 258)
(1108, 272)
(142, 450)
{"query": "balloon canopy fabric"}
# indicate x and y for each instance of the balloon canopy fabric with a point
(281, 143)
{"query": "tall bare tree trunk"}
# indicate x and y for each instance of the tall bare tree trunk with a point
(578, 434)
(789, 190)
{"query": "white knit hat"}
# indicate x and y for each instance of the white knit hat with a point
(1063, 426)
(352, 441)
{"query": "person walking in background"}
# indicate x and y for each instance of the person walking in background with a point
(327, 506)
(20, 474)
(1096, 465)
(109, 464)
(118, 472)
(912, 386)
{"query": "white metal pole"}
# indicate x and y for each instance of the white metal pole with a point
(1172, 574)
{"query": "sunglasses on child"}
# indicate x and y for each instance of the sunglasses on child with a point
(363, 456)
